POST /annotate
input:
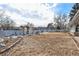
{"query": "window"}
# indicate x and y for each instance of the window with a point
(77, 28)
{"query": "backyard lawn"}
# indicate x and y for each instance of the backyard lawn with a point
(45, 44)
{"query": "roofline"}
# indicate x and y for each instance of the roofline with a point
(74, 18)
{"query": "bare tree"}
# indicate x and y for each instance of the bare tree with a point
(23, 28)
(5, 21)
(27, 28)
(60, 21)
(50, 26)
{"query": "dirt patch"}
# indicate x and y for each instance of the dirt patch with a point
(56, 43)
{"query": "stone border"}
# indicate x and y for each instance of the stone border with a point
(9, 47)
(75, 42)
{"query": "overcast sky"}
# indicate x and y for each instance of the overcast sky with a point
(40, 14)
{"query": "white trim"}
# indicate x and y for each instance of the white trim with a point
(72, 22)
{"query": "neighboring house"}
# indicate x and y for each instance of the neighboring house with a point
(49, 28)
(74, 24)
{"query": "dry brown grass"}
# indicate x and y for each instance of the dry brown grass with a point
(56, 43)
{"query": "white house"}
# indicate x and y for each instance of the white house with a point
(74, 23)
